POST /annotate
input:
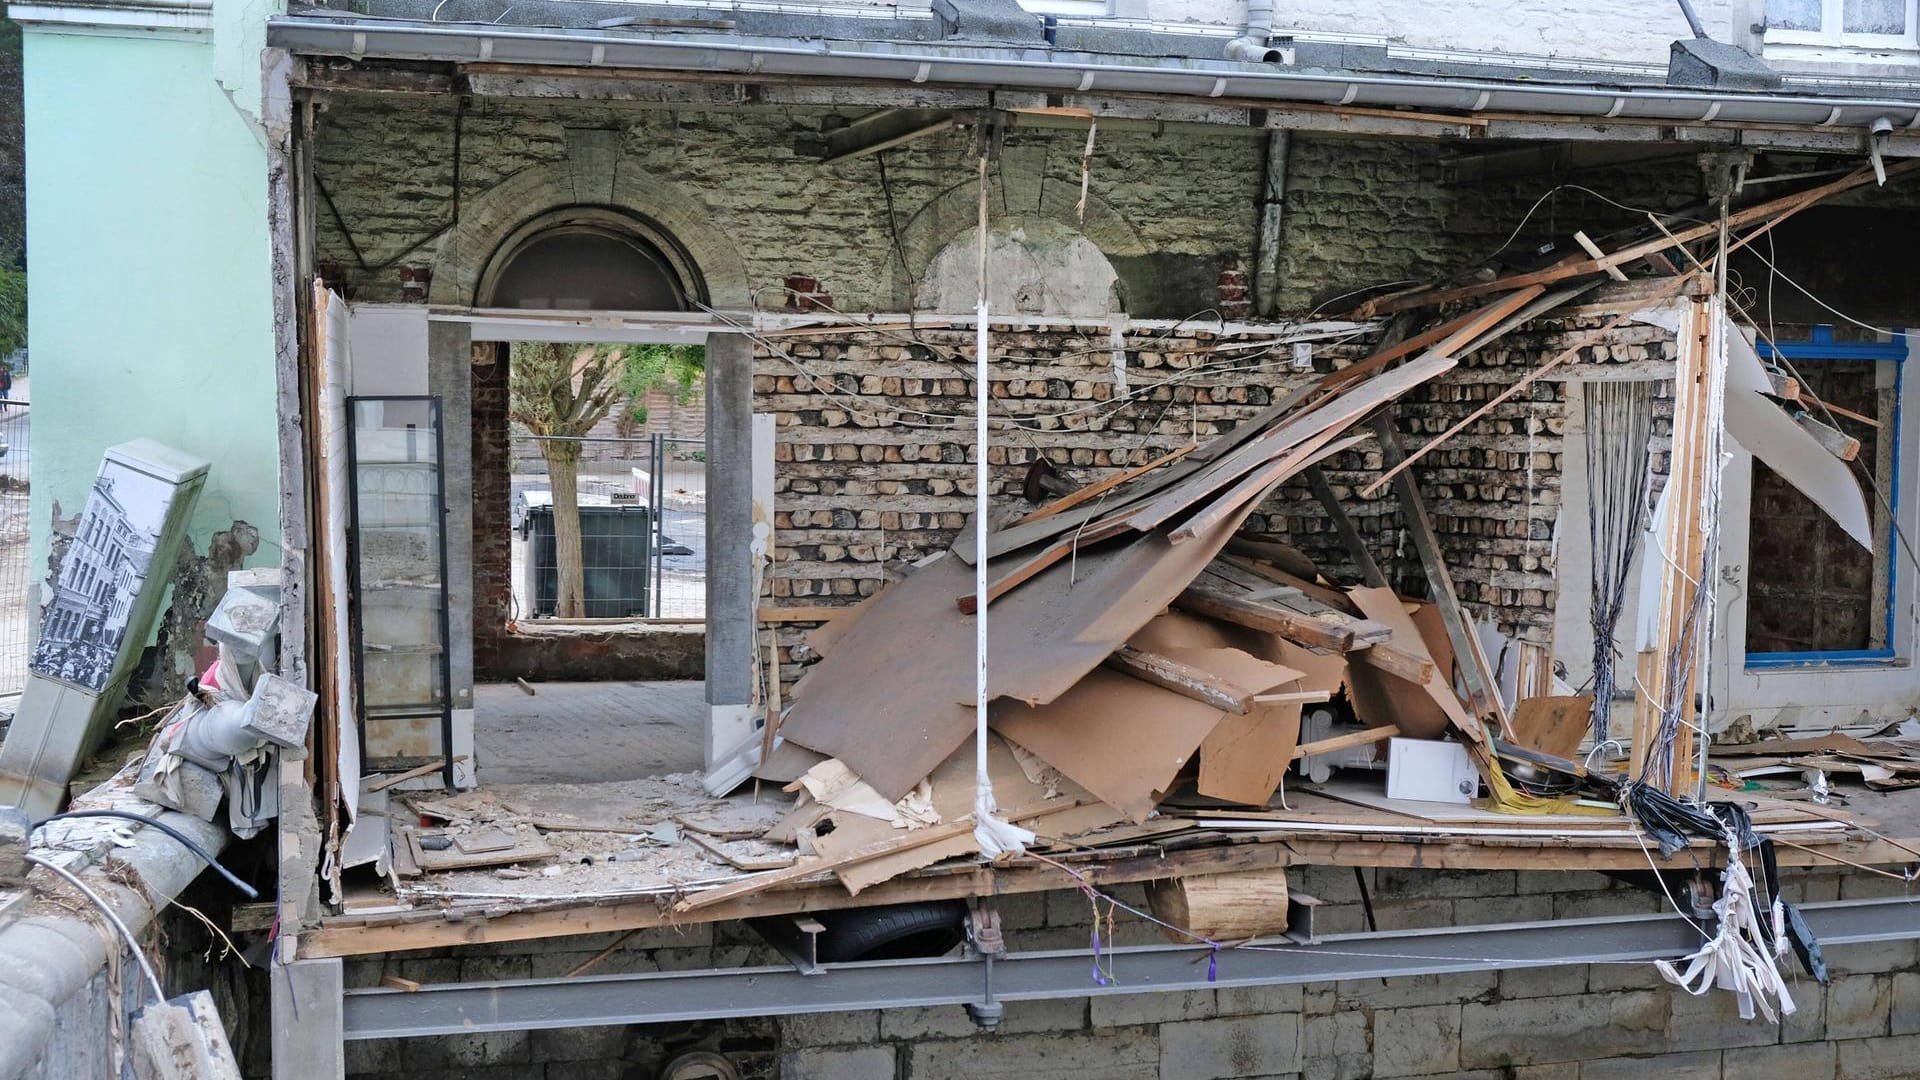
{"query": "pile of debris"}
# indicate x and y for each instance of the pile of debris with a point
(1138, 639)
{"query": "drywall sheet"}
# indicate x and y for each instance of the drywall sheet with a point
(1764, 429)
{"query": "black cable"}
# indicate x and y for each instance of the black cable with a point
(250, 891)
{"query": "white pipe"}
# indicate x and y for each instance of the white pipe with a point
(995, 837)
(1251, 45)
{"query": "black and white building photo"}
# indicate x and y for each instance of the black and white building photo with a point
(86, 614)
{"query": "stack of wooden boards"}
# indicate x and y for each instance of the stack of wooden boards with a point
(1883, 764)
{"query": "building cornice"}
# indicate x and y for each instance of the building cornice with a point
(172, 18)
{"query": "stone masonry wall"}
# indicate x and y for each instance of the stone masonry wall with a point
(416, 186)
(1575, 1022)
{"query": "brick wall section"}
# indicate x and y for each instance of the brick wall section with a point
(492, 509)
(1574, 1022)
(872, 471)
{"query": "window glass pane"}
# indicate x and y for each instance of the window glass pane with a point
(1873, 16)
(1793, 14)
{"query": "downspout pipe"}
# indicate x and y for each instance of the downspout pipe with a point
(1252, 44)
(1693, 20)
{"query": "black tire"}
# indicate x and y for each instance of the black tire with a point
(898, 932)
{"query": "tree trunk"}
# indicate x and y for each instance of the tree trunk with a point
(563, 473)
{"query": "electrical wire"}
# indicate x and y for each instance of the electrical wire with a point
(133, 943)
(205, 856)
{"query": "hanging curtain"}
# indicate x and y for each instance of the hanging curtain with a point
(1619, 419)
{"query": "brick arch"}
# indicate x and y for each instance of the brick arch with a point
(955, 211)
(487, 220)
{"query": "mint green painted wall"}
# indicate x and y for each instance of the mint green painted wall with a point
(150, 275)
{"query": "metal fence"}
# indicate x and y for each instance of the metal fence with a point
(16, 453)
(677, 485)
(642, 504)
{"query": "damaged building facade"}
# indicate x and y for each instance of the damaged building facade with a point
(1183, 221)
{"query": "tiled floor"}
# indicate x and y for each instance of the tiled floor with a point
(587, 732)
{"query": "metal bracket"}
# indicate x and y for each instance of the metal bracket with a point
(797, 937)
(1300, 909)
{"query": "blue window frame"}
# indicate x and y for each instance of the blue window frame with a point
(1817, 348)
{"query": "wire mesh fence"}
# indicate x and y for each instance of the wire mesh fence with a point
(642, 511)
(16, 451)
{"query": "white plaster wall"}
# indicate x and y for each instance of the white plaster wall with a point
(1034, 266)
(1638, 31)
(1633, 31)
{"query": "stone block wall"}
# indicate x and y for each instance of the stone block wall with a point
(1570, 1022)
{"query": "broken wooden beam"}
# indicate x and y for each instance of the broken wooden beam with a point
(1183, 679)
(1285, 556)
(1217, 602)
(1342, 742)
(1836, 442)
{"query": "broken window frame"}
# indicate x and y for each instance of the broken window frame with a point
(1820, 347)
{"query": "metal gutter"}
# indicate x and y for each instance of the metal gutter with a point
(1041, 70)
(589, 1001)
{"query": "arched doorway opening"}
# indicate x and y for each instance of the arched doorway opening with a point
(589, 570)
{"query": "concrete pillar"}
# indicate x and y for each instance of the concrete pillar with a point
(450, 375)
(308, 1027)
(730, 596)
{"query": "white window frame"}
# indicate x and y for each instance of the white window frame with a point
(1830, 35)
(1072, 9)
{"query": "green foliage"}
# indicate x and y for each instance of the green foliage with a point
(558, 389)
(13, 311)
(678, 370)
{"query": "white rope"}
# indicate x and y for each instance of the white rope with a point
(1737, 958)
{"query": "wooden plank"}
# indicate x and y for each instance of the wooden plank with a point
(1829, 407)
(1783, 386)
(1294, 697)
(1261, 483)
(1298, 600)
(1101, 487)
(352, 936)
(1053, 553)
(1481, 692)
(1587, 245)
(1183, 679)
(1205, 598)
(1344, 528)
(1781, 207)
(1836, 442)
(806, 867)
(1571, 352)
(1350, 739)
(411, 774)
